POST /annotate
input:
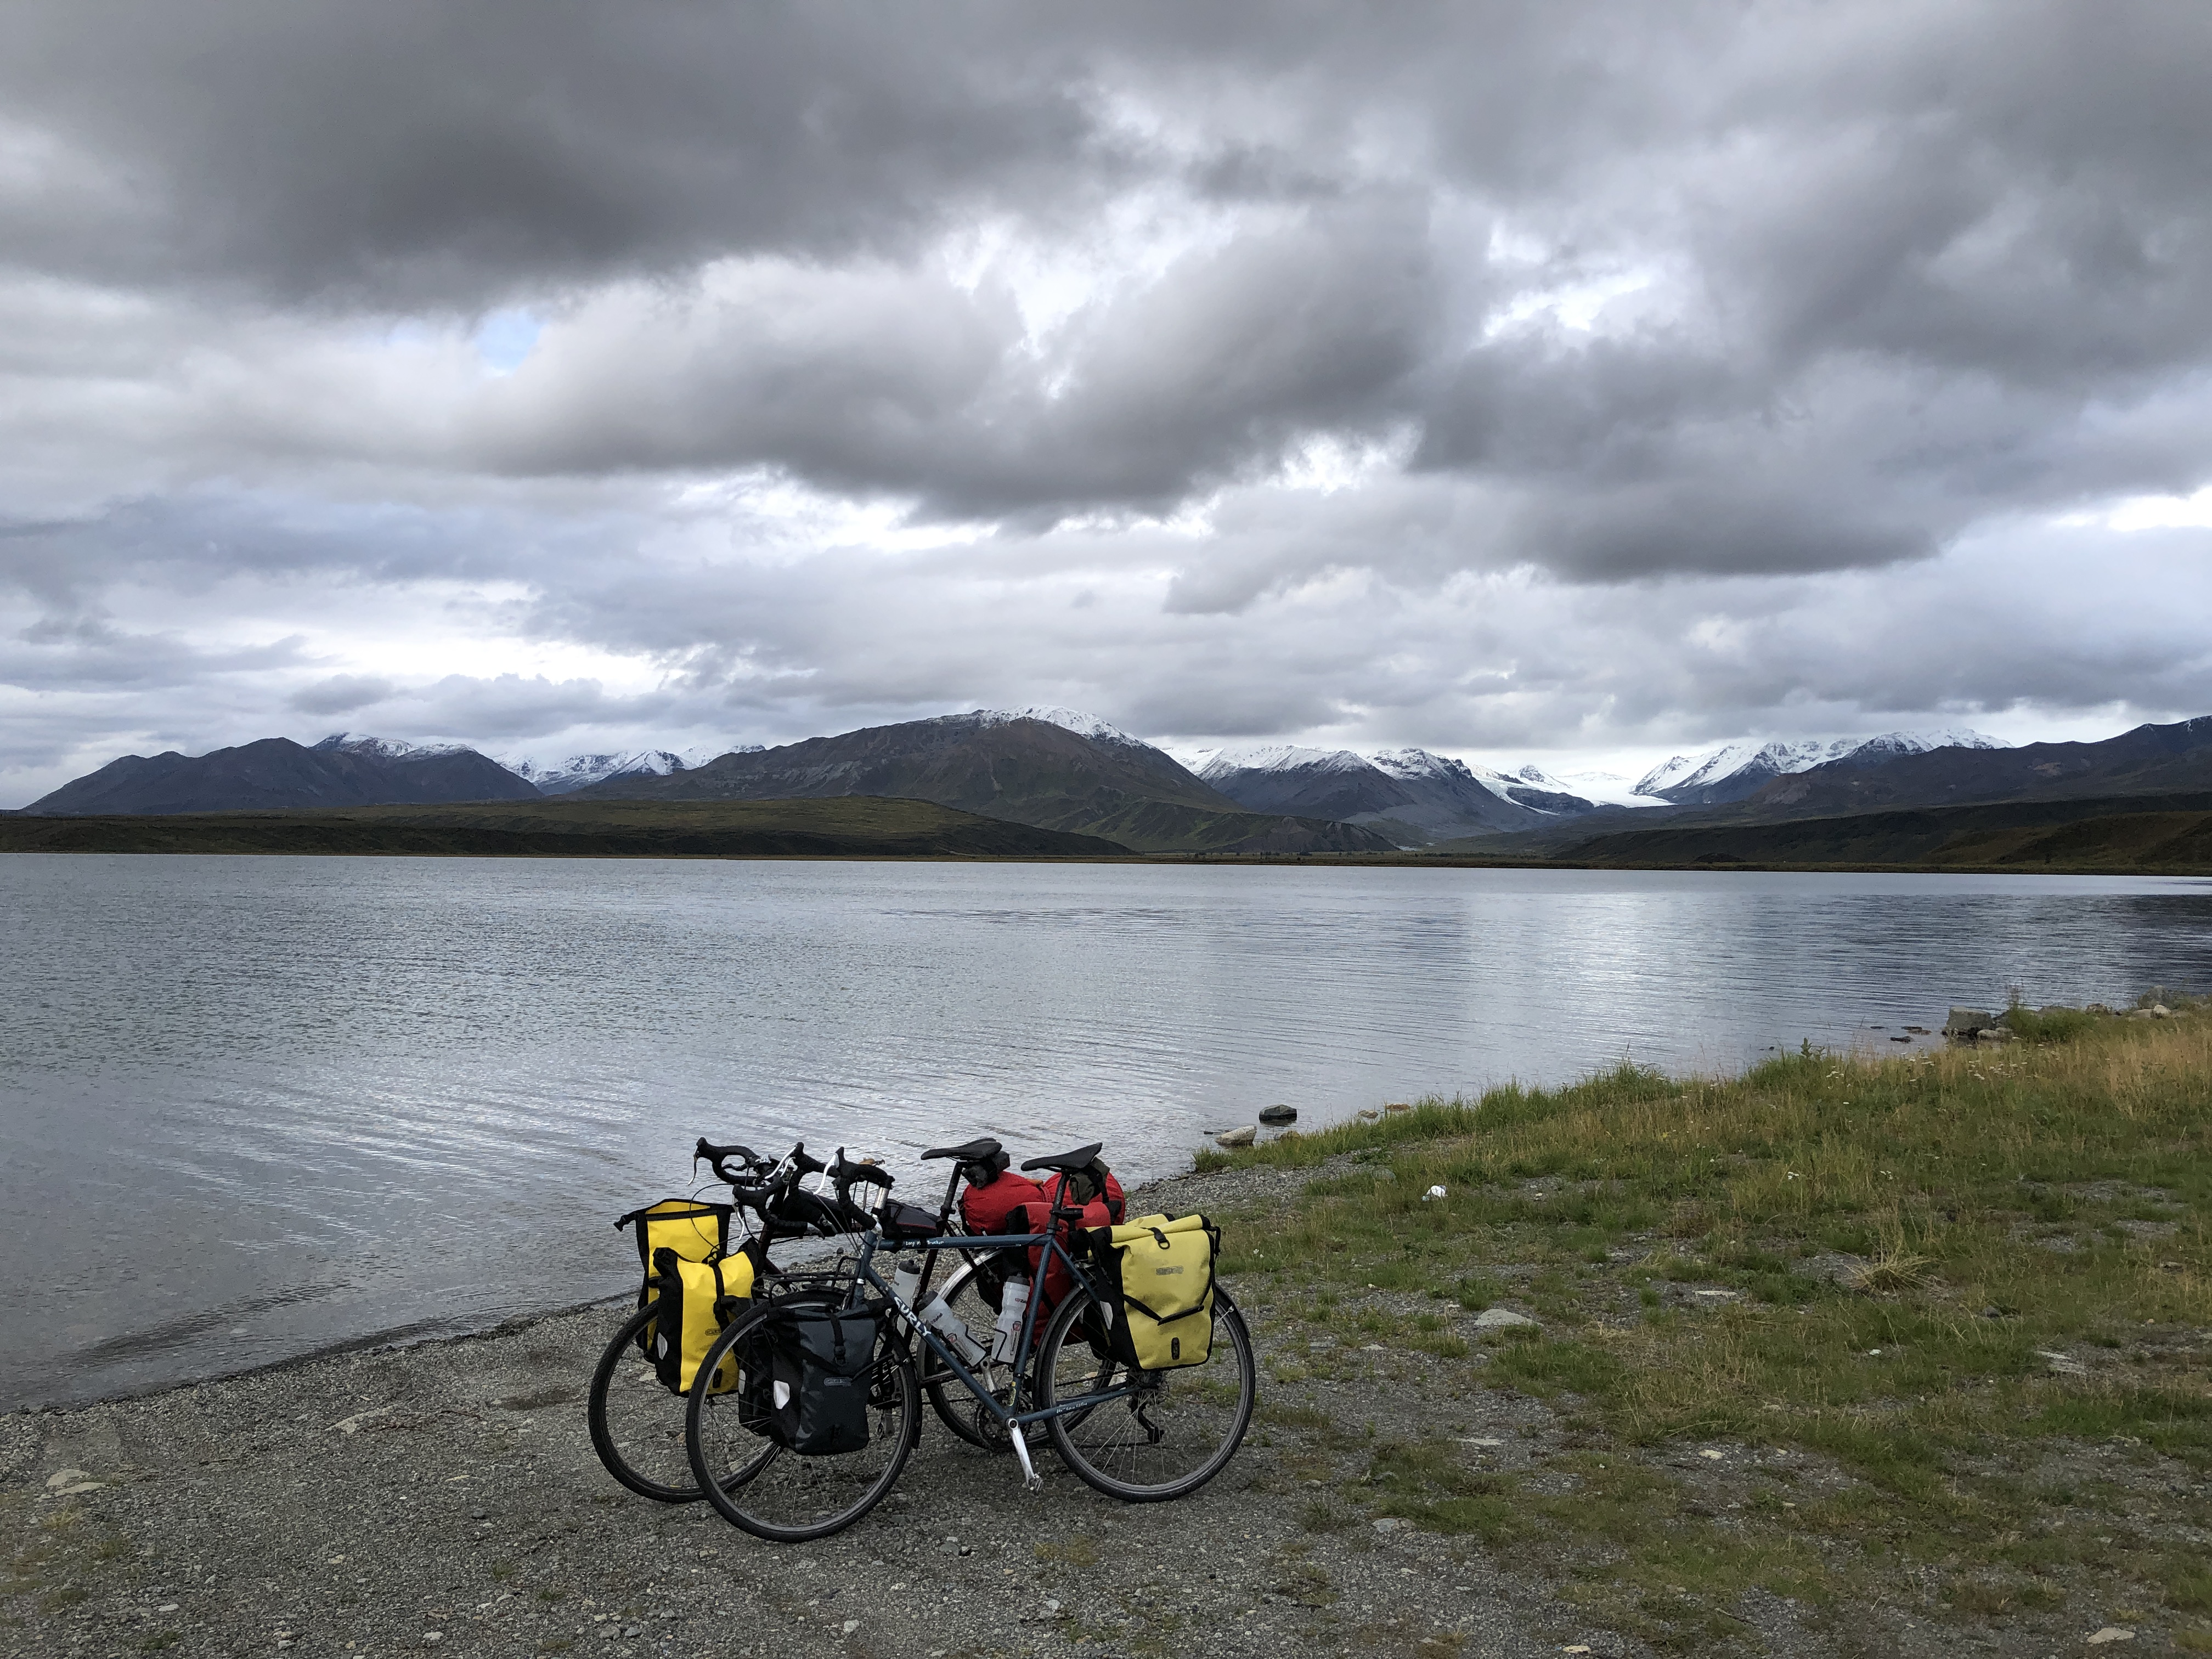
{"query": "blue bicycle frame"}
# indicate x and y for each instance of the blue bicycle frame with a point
(1011, 1420)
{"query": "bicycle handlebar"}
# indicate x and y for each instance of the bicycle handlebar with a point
(845, 1172)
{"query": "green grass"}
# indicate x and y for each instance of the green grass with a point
(1904, 1241)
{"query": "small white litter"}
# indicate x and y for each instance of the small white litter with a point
(1433, 1193)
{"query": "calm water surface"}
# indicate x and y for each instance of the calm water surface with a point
(256, 1106)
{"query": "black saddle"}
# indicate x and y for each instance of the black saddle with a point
(1068, 1162)
(975, 1152)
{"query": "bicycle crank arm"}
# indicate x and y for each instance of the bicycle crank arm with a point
(1031, 1480)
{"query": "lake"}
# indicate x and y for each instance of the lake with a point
(259, 1106)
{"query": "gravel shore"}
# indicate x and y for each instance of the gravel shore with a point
(445, 1497)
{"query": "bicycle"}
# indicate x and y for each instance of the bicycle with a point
(636, 1424)
(1142, 1437)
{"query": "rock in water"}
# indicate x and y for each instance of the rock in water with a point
(1242, 1137)
(1964, 1022)
(1273, 1116)
(1399, 1106)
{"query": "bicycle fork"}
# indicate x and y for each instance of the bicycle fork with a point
(1031, 1480)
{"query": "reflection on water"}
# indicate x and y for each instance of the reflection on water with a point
(254, 1106)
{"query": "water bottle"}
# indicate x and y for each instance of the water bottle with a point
(1006, 1334)
(906, 1278)
(940, 1317)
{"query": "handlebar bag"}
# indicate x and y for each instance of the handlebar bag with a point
(697, 1231)
(1158, 1283)
(812, 1397)
(907, 1221)
(698, 1299)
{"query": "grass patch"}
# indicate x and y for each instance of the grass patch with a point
(1073, 1551)
(1926, 1273)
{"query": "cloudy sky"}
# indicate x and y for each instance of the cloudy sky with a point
(1535, 381)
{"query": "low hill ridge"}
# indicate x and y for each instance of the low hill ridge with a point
(277, 774)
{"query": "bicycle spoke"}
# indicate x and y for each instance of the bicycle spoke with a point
(1171, 1433)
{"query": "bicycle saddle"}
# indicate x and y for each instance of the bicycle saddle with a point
(975, 1152)
(1067, 1162)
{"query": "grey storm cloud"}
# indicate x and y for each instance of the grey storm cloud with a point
(1473, 367)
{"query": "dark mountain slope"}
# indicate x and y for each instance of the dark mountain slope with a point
(1313, 783)
(858, 827)
(1027, 771)
(2104, 832)
(276, 774)
(2149, 758)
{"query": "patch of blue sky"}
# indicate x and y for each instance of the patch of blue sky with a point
(505, 338)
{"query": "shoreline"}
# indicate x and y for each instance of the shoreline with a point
(1408, 860)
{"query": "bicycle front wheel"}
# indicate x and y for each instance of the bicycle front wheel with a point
(1152, 1435)
(774, 1493)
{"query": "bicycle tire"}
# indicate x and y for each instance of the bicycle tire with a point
(629, 1414)
(774, 1494)
(1184, 1406)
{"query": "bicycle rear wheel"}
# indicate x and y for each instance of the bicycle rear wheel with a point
(949, 1397)
(1171, 1432)
(636, 1424)
(774, 1493)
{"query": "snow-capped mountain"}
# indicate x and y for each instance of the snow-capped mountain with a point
(1211, 763)
(1411, 794)
(357, 743)
(1737, 770)
(1068, 720)
(574, 772)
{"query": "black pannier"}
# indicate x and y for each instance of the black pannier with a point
(812, 1396)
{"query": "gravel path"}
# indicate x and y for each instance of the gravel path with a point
(446, 1498)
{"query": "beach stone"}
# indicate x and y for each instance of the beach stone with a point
(1964, 1022)
(1369, 1114)
(2160, 1010)
(1274, 1116)
(67, 1483)
(1392, 1524)
(1493, 1319)
(2111, 1633)
(1239, 1137)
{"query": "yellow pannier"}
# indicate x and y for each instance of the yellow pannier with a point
(695, 1232)
(697, 1299)
(1159, 1289)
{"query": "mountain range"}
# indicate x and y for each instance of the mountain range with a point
(1738, 770)
(1058, 770)
(574, 772)
(1020, 766)
(1409, 795)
